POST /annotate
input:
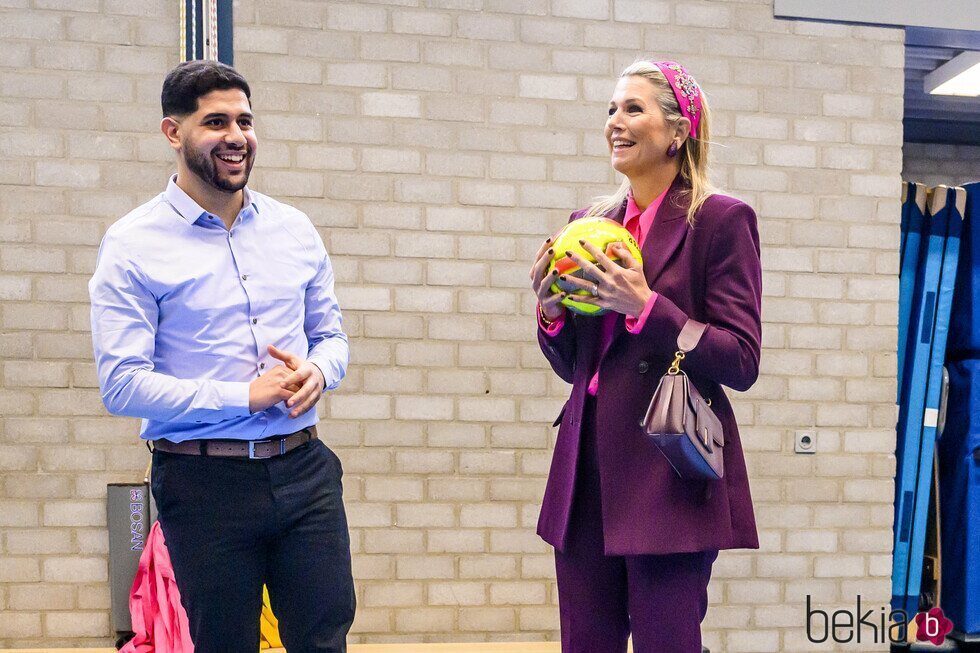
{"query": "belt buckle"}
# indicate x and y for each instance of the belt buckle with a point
(251, 449)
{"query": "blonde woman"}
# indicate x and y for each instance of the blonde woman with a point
(634, 542)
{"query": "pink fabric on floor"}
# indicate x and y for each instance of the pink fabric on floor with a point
(158, 617)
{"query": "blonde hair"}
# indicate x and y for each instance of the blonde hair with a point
(693, 153)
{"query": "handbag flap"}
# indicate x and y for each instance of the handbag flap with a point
(705, 418)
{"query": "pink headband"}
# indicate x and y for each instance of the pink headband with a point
(686, 90)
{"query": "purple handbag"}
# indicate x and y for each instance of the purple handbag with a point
(680, 421)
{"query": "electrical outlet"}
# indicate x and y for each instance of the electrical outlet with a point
(806, 442)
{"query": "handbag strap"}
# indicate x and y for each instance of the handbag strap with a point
(690, 335)
(687, 340)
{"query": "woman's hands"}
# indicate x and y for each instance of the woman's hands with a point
(551, 306)
(617, 288)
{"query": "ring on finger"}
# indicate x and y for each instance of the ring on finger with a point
(595, 289)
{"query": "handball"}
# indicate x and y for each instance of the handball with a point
(600, 232)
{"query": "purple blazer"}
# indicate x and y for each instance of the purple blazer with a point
(710, 272)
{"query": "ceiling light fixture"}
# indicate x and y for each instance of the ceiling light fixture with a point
(958, 76)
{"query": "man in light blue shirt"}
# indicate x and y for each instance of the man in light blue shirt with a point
(214, 320)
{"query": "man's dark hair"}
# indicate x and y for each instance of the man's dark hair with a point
(193, 79)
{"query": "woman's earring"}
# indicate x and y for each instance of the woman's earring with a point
(672, 150)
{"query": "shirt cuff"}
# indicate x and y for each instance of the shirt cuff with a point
(322, 375)
(234, 398)
(551, 328)
(635, 324)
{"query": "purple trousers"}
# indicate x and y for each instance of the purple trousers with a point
(660, 599)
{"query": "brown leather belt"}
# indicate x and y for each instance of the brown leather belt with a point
(255, 449)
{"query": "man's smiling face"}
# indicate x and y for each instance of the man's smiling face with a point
(217, 142)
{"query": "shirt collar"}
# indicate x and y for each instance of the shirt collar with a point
(644, 219)
(633, 211)
(191, 210)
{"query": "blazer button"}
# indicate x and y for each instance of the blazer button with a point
(643, 367)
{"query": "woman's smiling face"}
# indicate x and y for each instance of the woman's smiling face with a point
(636, 131)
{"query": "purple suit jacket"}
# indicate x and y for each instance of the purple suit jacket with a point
(710, 272)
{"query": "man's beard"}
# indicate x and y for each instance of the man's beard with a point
(203, 166)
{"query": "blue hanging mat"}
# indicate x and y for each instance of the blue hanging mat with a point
(925, 354)
(959, 469)
(955, 206)
(913, 224)
(908, 196)
(925, 283)
(959, 444)
(964, 326)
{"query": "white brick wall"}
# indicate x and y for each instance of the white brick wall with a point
(435, 144)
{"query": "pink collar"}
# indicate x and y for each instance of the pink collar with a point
(645, 217)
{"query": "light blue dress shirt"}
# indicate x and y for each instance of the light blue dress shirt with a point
(183, 310)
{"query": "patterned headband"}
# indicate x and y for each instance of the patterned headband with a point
(686, 90)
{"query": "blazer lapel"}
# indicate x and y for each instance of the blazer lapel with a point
(668, 232)
(669, 228)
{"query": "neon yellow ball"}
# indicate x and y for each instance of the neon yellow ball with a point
(600, 232)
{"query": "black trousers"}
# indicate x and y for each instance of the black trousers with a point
(232, 524)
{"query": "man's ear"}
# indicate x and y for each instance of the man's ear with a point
(171, 129)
